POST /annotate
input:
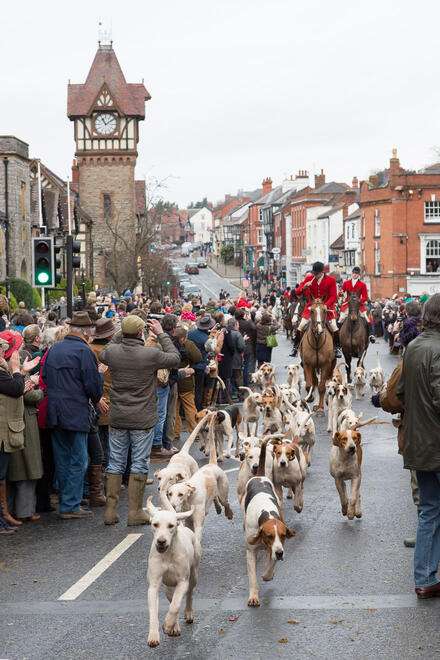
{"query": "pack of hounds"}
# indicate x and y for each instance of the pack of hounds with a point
(274, 439)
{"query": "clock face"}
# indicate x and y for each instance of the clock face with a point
(105, 123)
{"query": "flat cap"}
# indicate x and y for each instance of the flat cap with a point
(131, 325)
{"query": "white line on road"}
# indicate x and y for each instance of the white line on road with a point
(232, 470)
(105, 563)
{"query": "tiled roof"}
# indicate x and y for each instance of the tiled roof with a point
(338, 244)
(129, 97)
(332, 187)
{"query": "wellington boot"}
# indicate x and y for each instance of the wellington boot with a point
(136, 487)
(96, 491)
(113, 488)
(6, 515)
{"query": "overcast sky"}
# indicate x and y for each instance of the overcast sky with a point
(241, 89)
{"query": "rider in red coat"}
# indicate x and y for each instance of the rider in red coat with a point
(352, 286)
(318, 285)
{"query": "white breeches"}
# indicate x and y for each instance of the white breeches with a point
(343, 315)
(332, 324)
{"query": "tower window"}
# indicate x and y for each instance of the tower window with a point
(107, 206)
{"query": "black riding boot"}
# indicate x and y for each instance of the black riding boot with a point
(337, 344)
(371, 337)
(296, 341)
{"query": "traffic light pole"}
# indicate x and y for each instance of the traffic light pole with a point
(43, 299)
(69, 252)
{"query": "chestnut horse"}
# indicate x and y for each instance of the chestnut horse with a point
(317, 353)
(353, 334)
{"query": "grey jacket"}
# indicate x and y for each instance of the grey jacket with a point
(133, 390)
(239, 346)
(419, 391)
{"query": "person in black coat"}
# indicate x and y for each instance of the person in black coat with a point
(227, 354)
(247, 327)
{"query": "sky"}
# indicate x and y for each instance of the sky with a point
(241, 89)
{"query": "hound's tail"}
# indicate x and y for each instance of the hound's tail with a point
(261, 472)
(212, 450)
(186, 447)
(248, 389)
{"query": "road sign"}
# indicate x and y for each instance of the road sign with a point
(276, 257)
(245, 283)
(306, 253)
(276, 250)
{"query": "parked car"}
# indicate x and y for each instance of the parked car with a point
(202, 263)
(192, 268)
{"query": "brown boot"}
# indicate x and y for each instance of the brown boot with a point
(97, 497)
(136, 487)
(6, 515)
(112, 489)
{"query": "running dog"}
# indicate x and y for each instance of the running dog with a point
(303, 429)
(341, 400)
(226, 420)
(251, 457)
(360, 379)
(376, 377)
(251, 411)
(290, 464)
(264, 376)
(209, 484)
(347, 419)
(174, 560)
(272, 420)
(263, 525)
(181, 466)
(294, 376)
(346, 465)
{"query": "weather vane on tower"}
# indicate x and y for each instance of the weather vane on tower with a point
(105, 33)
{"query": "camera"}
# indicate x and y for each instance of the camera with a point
(156, 317)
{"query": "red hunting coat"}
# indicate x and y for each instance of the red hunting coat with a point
(326, 290)
(360, 288)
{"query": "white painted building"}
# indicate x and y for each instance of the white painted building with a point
(201, 222)
(352, 240)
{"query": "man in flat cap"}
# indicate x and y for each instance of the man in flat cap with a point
(133, 410)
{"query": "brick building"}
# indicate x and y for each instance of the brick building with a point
(106, 111)
(15, 211)
(400, 230)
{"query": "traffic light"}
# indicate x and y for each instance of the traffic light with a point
(76, 249)
(58, 244)
(43, 258)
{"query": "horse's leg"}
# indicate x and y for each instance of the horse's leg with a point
(309, 379)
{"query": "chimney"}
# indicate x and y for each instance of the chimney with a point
(394, 163)
(355, 182)
(374, 181)
(319, 179)
(75, 172)
(267, 185)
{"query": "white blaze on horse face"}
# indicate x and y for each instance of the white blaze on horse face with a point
(318, 319)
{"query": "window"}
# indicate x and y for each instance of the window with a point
(376, 223)
(23, 200)
(259, 235)
(432, 256)
(349, 258)
(348, 232)
(377, 260)
(107, 206)
(432, 212)
(352, 230)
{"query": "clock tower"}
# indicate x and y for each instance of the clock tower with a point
(106, 111)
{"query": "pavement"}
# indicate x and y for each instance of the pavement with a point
(77, 589)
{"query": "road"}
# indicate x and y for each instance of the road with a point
(344, 590)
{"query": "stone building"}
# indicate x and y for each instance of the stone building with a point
(15, 215)
(106, 111)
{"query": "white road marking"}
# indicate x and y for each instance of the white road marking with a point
(232, 470)
(95, 572)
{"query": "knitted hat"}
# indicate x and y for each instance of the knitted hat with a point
(14, 341)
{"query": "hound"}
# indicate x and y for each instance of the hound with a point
(341, 400)
(264, 526)
(294, 375)
(359, 382)
(304, 432)
(346, 464)
(272, 420)
(226, 420)
(330, 393)
(182, 465)
(337, 376)
(208, 484)
(174, 560)
(249, 465)
(264, 376)
(347, 419)
(251, 411)
(290, 463)
(376, 377)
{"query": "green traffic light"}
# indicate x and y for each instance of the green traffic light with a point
(43, 278)
(168, 284)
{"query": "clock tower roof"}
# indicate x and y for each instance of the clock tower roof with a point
(129, 97)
